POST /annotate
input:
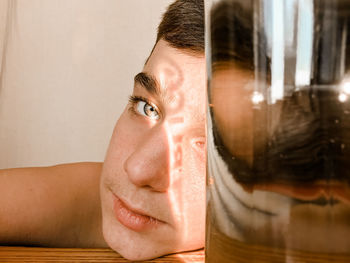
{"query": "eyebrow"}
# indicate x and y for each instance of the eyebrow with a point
(148, 82)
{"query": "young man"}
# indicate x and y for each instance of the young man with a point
(151, 187)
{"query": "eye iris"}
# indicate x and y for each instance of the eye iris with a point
(150, 111)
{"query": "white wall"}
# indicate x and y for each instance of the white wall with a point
(68, 73)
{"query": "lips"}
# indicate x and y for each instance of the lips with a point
(133, 219)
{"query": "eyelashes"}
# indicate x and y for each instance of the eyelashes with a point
(141, 106)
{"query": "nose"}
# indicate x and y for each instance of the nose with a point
(149, 163)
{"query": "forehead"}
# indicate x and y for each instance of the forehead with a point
(179, 76)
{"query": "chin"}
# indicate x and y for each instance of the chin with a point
(136, 252)
(140, 254)
(135, 246)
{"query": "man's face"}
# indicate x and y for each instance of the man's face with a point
(153, 180)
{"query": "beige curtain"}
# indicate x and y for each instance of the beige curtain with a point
(7, 14)
(67, 69)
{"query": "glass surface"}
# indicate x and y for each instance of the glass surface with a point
(278, 131)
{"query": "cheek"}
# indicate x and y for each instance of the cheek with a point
(121, 143)
(194, 177)
(189, 185)
(195, 198)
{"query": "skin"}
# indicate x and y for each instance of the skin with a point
(38, 206)
(155, 163)
(157, 166)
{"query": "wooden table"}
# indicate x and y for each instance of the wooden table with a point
(38, 254)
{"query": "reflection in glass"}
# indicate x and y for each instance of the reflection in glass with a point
(278, 130)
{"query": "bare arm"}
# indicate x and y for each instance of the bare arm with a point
(55, 206)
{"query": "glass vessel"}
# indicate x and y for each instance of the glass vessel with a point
(278, 183)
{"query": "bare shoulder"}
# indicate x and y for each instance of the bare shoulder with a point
(90, 168)
(89, 172)
(67, 169)
(54, 206)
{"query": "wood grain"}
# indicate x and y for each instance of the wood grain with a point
(39, 254)
(222, 249)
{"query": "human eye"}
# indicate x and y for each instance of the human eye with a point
(143, 107)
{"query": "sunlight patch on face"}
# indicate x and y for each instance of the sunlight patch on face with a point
(174, 173)
(175, 127)
(162, 82)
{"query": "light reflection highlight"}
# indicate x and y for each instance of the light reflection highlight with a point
(342, 97)
(257, 97)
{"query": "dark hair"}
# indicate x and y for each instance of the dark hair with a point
(231, 35)
(182, 25)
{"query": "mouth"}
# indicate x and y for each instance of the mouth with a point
(132, 218)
